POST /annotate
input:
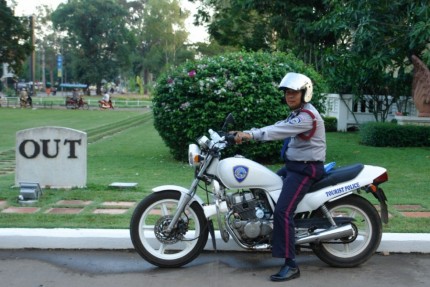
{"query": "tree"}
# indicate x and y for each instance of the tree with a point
(374, 62)
(47, 45)
(267, 25)
(232, 25)
(14, 34)
(97, 37)
(361, 47)
(213, 48)
(161, 37)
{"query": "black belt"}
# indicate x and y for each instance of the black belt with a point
(306, 161)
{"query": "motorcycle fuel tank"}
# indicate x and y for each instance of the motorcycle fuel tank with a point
(239, 172)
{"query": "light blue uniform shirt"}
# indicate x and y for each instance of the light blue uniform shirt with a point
(297, 123)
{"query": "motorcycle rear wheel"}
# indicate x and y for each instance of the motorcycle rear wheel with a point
(353, 251)
(177, 248)
(85, 106)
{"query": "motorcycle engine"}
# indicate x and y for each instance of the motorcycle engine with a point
(252, 213)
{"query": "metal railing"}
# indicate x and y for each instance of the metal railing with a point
(59, 101)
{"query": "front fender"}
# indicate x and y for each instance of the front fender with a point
(209, 209)
(181, 189)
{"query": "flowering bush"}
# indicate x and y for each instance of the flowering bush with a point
(198, 95)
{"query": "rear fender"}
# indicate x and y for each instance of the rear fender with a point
(379, 194)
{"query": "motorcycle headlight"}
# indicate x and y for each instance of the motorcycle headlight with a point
(194, 156)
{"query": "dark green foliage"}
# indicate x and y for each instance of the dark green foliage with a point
(393, 135)
(330, 124)
(198, 95)
(15, 38)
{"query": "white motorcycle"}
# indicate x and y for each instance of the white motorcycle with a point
(170, 227)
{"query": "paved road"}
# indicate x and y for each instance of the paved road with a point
(55, 268)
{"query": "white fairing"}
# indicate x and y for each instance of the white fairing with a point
(315, 199)
(239, 172)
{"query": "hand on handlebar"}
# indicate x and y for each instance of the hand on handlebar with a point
(240, 137)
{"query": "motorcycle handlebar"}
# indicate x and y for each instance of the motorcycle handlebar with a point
(229, 137)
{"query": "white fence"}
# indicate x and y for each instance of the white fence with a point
(55, 102)
(348, 112)
(352, 113)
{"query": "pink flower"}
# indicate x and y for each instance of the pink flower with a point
(192, 73)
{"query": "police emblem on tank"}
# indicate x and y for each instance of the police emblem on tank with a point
(240, 172)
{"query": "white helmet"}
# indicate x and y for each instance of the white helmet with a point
(298, 82)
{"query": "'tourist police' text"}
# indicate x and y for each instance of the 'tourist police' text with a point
(342, 189)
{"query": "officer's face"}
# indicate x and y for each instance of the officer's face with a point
(293, 98)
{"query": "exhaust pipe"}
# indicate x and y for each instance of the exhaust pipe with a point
(335, 233)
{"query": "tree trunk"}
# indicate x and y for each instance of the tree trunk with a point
(99, 89)
(145, 81)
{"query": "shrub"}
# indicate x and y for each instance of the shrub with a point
(393, 135)
(330, 124)
(198, 95)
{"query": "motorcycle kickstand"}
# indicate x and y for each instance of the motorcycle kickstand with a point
(212, 233)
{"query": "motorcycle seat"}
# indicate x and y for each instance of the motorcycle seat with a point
(337, 175)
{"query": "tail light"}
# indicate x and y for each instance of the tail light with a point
(380, 179)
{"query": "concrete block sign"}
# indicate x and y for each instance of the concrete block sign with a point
(54, 157)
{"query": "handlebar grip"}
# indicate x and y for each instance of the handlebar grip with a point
(230, 138)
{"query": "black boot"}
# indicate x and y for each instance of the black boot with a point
(286, 273)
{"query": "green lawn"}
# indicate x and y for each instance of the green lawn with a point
(135, 153)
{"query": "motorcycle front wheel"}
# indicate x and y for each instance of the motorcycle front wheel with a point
(168, 249)
(357, 249)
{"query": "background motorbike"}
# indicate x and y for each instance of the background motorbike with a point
(170, 227)
(105, 105)
(76, 104)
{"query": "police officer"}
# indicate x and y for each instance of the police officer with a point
(304, 152)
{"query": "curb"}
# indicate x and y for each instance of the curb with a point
(111, 239)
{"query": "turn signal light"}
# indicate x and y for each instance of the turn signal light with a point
(197, 159)
(372, 188)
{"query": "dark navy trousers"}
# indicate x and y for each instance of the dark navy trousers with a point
(298, 178)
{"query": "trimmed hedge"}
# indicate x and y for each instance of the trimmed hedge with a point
(198, 95)
(330, 124)
(393, 135)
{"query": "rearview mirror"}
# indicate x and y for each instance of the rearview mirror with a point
(229, 120)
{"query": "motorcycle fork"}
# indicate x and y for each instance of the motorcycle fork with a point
(186, 198)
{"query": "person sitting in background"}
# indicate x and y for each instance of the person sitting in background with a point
(75, 95)
(106, 97)
(106, 101)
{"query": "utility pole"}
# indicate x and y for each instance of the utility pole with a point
(33, 55)
(43, 68)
